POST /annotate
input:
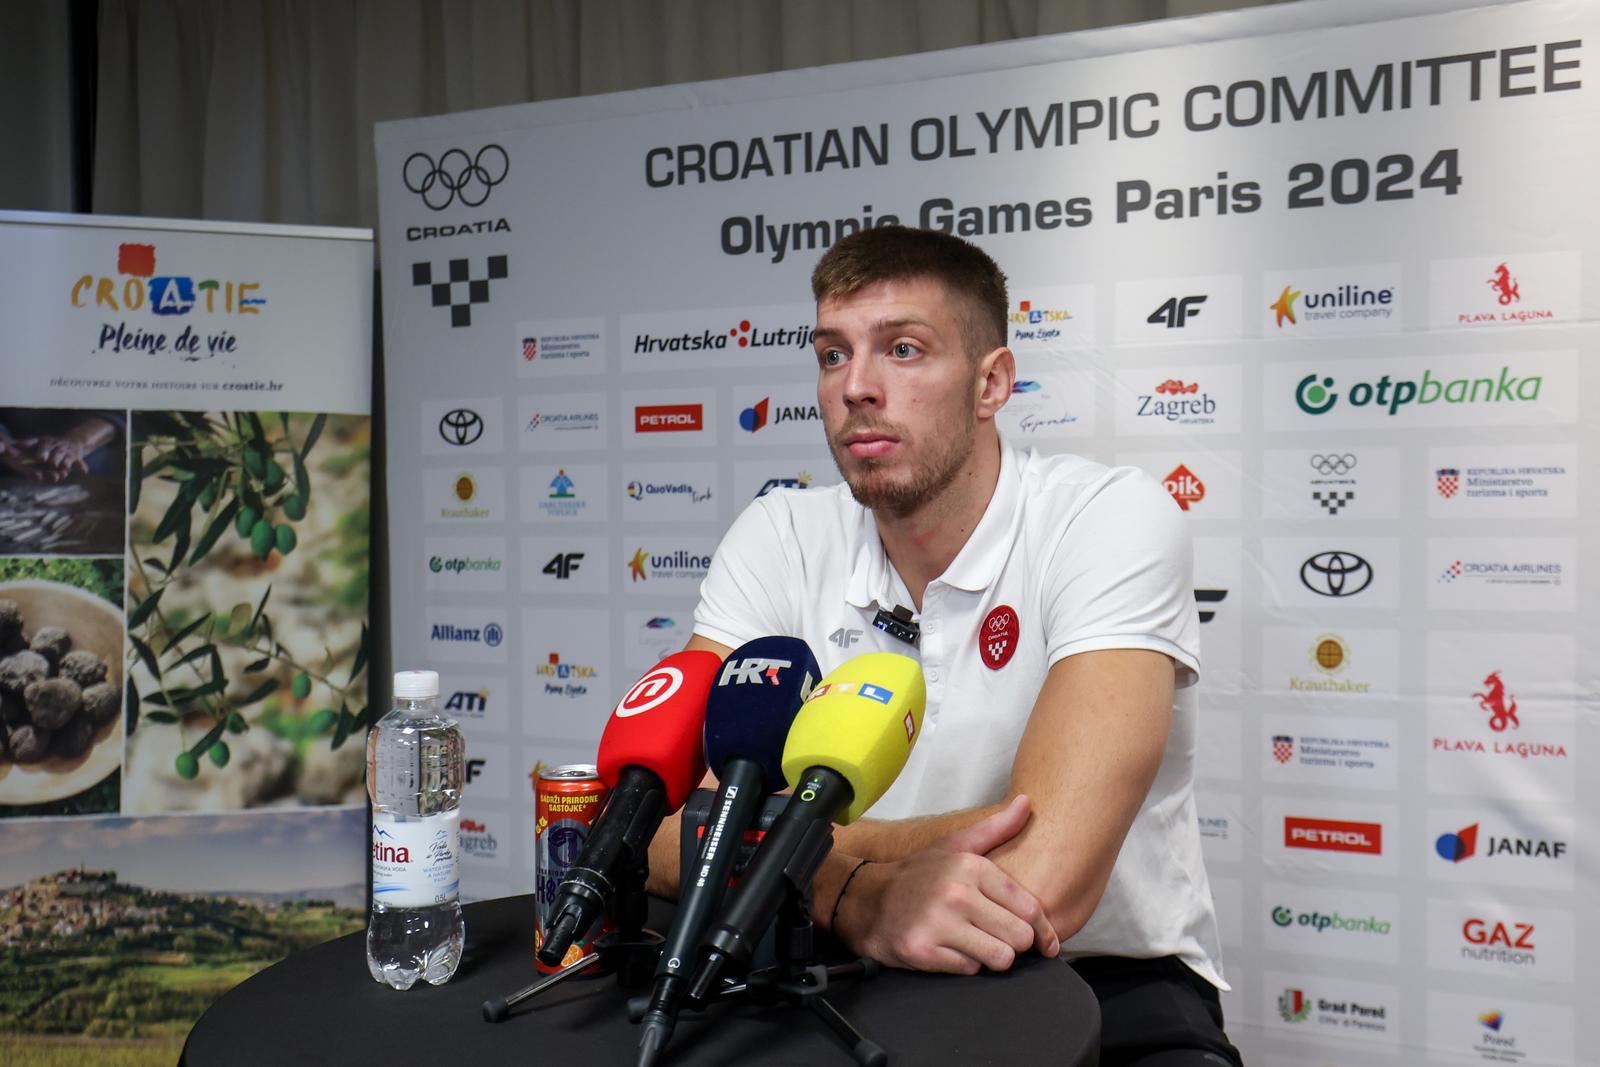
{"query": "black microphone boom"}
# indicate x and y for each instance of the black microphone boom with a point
(618, 843)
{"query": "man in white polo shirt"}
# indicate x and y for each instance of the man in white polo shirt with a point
(1048, 804)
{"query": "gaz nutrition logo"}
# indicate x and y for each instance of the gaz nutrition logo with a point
(1318, 394)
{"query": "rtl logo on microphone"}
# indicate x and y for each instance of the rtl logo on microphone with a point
(1333, 835)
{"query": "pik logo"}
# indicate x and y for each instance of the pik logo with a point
(668, 418)
(1294, 1006)
(562, 565)
(1500, 705)
(1330, 655)
(456, 177)
(800, 481)
(1336, 574)
(1447, 482)
(1315, 394)
(561, 486)
(1185, 488)
(460, 427)
(1283, 748)
(1176, 312)
(459, 290)
(1283, 307)
(1207, 597)
(1506, 290)
(137, 285)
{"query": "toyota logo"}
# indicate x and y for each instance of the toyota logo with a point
(1336, 574)
(456, 176)
(1333, 464)
(461, 426)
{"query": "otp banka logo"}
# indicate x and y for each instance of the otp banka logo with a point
(1318, 394)
(137, 286)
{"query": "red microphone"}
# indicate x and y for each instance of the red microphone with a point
(652, 755)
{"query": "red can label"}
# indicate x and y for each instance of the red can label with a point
(567, 801)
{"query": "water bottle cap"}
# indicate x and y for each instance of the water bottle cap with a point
(416, 685)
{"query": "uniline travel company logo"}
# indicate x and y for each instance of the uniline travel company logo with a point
(1348, 301)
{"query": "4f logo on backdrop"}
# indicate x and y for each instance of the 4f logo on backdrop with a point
(1176, 312)
(753, 670)
(562, 564)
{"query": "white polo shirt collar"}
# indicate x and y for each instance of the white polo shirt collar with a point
(873, 580)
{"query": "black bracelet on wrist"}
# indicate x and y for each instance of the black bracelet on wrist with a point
(840, 898)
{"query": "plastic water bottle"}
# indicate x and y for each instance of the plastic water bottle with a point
(414, 765)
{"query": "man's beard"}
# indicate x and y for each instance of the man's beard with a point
(873, 482)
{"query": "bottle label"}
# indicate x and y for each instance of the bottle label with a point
(414, 862)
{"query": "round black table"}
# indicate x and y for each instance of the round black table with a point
(321, 1006)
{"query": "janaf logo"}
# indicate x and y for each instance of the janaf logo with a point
(1318, 394)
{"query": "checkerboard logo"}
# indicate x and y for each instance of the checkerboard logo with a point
(1447, 480)
(1333, 499)
(1283, 748)
(459, 290)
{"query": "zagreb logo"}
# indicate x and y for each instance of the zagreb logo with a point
(997, 637)
(651, 691)
(1176, 401)
(1459, 845)
(460, 427)
(1500, 706)
(456, 177)
(1447, 482)
(459, 290)
(1184, 487)
(1294, 1006)
(1336, 574)
(1283, 307)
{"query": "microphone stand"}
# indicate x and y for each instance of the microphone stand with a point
(630, 951)
(798, 980)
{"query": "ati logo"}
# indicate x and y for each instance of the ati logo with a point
(751, 671)
(1447, 482)
(461, 427)
(1283, 307)
(668, 418)
(754, 417)
(1294, 1006)
(845, 638)
(1505, 286)
(561, 486)
(1283, 748)
(474, 768)
(1336, 574)
(1501, 706)
(460, 291)
(1333, 835)
(462, 700)
(803, 481)
(997, 637)
(1176, 312)
(166, 294)
(1204, 597)
(562, 564)
(1185, 488)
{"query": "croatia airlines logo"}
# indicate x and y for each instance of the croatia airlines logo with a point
(1333, 835)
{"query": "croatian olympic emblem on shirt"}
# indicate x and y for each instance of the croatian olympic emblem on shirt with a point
(997, 637)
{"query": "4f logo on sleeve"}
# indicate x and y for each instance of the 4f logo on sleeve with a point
(753, 670)
(997, 637)
(845, 638)
(1176, 312)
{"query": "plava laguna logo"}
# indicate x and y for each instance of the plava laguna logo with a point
(1507, 292)
(137, 286)
(1316, 394)
(1499, 711)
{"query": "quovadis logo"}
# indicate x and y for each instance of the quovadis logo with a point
(645, 491)
(1318, 394)
(137, 286)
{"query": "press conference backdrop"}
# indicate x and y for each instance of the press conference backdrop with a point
(1326, 282)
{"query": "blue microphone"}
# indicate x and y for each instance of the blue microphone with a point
(760, 688)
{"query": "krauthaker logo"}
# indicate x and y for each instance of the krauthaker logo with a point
(464, 488)
(1315, 394)
(1175, 400)
(744, 334)
(463, 286)
(1329, 654)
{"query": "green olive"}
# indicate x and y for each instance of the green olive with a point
(273, 479)
(284, 538)
(255, 461)
(208, 496)
(246, 522)
(323, 721)
(261, 538)
(187, 765)
(219, 753)
(294, 506)
(301, 686)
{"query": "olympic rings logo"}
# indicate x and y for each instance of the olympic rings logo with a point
(1333, 464)
(456, 176)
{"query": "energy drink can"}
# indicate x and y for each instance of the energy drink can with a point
(567, 801)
